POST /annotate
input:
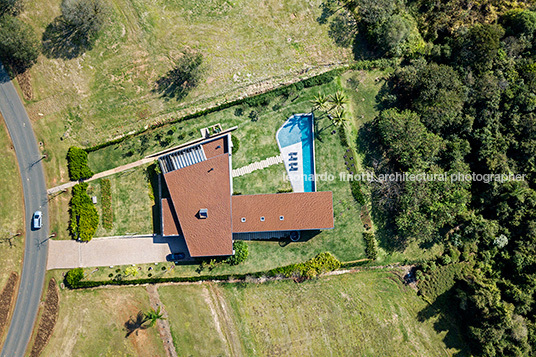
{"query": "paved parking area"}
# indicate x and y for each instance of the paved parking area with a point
(67, 254)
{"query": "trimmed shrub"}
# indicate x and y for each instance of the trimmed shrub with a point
(236, 144)
(241, 253)
(77, 164)
(106, 198)
(355, 186)
(73, 277)
(322, 263)
(84, 218)
(371, 248)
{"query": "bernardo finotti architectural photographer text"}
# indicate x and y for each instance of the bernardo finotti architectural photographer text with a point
(404, 176)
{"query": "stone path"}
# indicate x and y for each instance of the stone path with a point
(259, 165)
(115, 170)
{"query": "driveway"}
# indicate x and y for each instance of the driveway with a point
(35, 198)
(67, 254)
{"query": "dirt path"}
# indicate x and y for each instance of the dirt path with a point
(224, 322)
(102, 174)
(163, 325)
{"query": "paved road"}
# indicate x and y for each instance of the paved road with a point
(35, 198)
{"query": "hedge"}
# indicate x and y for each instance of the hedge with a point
(106, 199)
(322, 263)
(77, 164)
(371, 248)
(262, 98)
(84, 218)
(236, 144)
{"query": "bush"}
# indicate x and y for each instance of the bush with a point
(73, 277)
(106, 201)
(241, 253)
(84, 218)
(236, 144)
(77, 164)
(322, 263)
(355, 187)
(371, 248)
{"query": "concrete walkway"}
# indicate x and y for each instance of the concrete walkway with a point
(123, 250)
(259, 165)
(115, 170)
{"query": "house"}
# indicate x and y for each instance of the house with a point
(200, 205)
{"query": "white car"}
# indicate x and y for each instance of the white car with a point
(37, 219)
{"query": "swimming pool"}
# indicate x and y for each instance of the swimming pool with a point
(296, 143)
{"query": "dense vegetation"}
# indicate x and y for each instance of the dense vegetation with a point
(241, 252)
(19, 46)
(461, 103)
(77, 164)
(84, 218)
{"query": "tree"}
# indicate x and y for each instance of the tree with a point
(152, 316)
(11, 7)
(399, 36)
(19, 45)
(86, 17)
(77, 164)
(73, 277)
(478, 47)
(407, 140)
(185, 76)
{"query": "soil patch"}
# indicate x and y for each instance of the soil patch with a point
(6, 299)
(48, 319)
(25, 83)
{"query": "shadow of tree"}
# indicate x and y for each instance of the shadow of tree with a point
(180, 80)
(134, 324)
(447, 320)
(61, 40)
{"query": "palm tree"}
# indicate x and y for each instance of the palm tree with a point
(338, 117)
(320, 101)
(152, 316)
(337, 100)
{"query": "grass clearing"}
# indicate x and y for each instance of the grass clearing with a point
(91, 323)
(365, 313)
(11, 209)
(109, 90)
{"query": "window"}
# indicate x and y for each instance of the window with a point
(262, 219)
(243, 219)
(281, 218)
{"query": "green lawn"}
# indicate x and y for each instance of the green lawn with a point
(364, 314)
(109, 90)
(11, 209)
(132, 204)
(91, 323)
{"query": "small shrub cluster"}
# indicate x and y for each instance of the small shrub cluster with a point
(236, 144)
(77, 164)
(322, 263)
(241, 253)
(73, 277)
(355, 186)
(371, 248)
(84, 218)
(106, 199)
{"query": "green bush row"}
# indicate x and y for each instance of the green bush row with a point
(371, 248)
(84, 218)
(262, 98)
(77, 164)
(323, 262)
(241, 253)
(355, 186)
(106, 201)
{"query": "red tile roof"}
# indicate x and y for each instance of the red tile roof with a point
(300, 211)
(203, 185)
(169, 219)
(215, 147)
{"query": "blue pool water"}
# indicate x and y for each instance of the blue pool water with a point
(299, 128)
